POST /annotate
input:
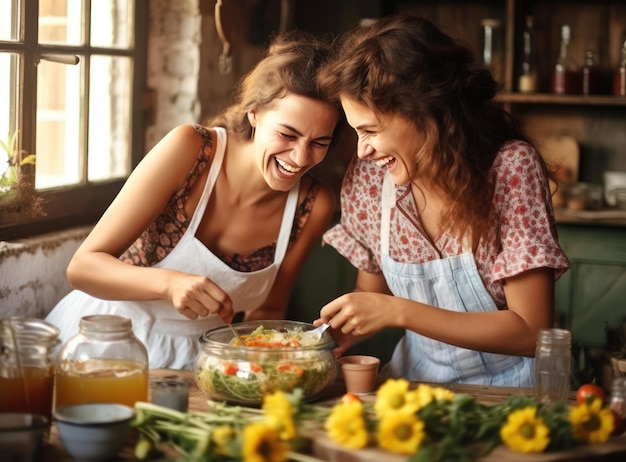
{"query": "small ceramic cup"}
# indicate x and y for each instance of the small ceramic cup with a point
(359, 373)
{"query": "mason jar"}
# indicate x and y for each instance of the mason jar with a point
(553, 365)
(27, 365)
(104, 362)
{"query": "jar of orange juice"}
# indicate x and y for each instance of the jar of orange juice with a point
(104, 362)
(27, 365)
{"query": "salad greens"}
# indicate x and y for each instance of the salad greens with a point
(272, 360)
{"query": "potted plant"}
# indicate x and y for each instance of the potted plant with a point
(17, 193)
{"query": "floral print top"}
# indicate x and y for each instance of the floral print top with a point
(522, 234)
(165, 232)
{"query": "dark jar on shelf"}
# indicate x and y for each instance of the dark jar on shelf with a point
(591, 76)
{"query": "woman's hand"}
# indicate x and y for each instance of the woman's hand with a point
(198, 296)
(358, 313)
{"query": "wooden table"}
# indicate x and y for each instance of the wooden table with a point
(326, 450)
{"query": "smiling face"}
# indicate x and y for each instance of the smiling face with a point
(391, 141)
(291, 138)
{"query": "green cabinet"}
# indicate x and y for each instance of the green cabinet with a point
(592, 294)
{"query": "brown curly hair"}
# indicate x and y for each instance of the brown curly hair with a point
(290, 66)
(404, 65)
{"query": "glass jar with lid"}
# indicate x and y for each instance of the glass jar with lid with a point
(27, 365)
(104, 362)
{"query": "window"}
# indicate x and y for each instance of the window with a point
(72, 74)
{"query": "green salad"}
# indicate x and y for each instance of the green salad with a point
(258, 370)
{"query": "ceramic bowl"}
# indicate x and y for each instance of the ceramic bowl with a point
(22, 436)
(227, 371)
(94, 431)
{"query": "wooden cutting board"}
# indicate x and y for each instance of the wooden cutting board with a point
(562, 154)
(614, 450)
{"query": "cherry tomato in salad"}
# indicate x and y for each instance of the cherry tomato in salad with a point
(350, 398)
(587, 392)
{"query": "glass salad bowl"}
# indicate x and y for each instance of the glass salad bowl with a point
(278, 355)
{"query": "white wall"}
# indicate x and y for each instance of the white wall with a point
(32, 272)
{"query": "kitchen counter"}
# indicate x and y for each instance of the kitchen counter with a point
(601, 218)
(325, 449)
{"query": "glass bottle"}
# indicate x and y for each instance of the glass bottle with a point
(493, 51)
(27, 365)
(565, 76)
(591, 75)
(617, 399)
(528, 79)
(104, 362)
(619, 79)
(553, 365)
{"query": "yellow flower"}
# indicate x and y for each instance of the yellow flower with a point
(525, 432)
(400, 432)
(425, 394)
(223, 438)
(591, 422)
(394, 396)
(346, 425)
(262, 444)
(277, 410)
(443, 394)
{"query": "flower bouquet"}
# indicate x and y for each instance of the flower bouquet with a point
(426, 423)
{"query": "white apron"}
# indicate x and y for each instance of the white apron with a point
(171, 338)
(451, 283)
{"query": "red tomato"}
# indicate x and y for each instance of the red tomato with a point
(619, 426)
(230, 369)
(290, 368)
(349, 398)
(588, 392)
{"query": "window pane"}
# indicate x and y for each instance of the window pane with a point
(109, 118)
(58, 124)
(8, 97)
(60, 21)
(111, 23)
(8, 19)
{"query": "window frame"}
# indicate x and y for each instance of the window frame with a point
(81, 204)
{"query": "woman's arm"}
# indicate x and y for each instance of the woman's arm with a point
(530, 300)
(95, 268)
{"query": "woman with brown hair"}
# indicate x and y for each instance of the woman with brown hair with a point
(217, 218)
(446, 211)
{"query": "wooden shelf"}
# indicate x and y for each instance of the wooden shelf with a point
(548, 98)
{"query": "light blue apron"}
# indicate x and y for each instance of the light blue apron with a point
(454, 284)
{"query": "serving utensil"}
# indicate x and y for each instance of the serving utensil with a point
(237, 335)
(319, 331)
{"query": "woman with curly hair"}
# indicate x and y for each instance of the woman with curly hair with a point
(446, 211)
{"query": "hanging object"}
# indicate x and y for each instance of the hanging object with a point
(225, 63)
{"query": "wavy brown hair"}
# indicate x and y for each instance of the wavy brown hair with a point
(290, 66)
(404, 65)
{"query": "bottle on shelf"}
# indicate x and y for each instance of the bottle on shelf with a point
(493, 48)
(564, 75)
(619, 80)
(591, 75)
(528, 79)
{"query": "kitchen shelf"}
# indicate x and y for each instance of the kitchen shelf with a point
(572, 100)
